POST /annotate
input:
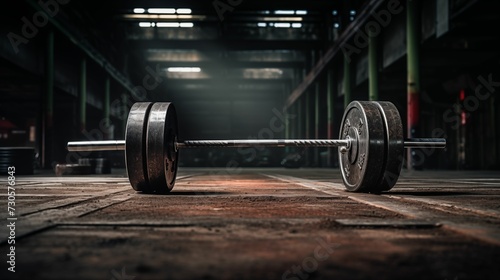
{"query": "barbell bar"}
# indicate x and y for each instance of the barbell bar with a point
(370, 154)
(119, 145)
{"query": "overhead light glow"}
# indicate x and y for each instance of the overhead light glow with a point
(175, 24)
(261, 24)
(167, 24)
(283, 19)
(282, 25)
(353, 12)
(336, 25)
(335, 12)
(186, 24)
(301, 12)
(161, 11)
(145, 24)
(184, 69)
(297, 25)
(139, 11)
(284, 12)
(184, 11)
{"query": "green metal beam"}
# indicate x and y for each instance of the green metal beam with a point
(324, 62)
(347, 81)
(330, 100)
(317, 115)
(107, 95)
(49, 99)
(373, 68)
(87, 48)
(83, 94)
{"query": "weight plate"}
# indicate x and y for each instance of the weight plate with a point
(73, 169)
(361, 163)
(22, 158)
(162, 157)
(394, 145)
(135, 145)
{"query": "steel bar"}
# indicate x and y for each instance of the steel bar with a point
(419, 143)
(263, 143)
(91, 146)
(119, 145)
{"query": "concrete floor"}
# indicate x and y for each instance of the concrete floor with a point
(255, 224)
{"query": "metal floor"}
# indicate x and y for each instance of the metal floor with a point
(256, 224)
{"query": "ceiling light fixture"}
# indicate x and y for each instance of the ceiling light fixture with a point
(184, 69)
(161, 11)
(284, 12)
(184, 11)
(282, 25)
(145, 24)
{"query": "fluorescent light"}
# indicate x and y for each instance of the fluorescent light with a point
(186, 24)
(282, 25)
(353, 12)
(335, 12)
(174, 24)
(301, 12)
(167, 24)
(139, 11)
(283, 19)
(184, 11)
(284, 12)
(161, 11)
(261, 24)
(184, 69)
(296, 25)
(145, 24)
(336, 25)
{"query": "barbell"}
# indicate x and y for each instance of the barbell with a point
(371, 146)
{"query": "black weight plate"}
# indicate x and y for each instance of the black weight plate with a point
(22, 158)
(73, 169)
(394, 145)
(361, 165)
(161, 153)
(135, 145)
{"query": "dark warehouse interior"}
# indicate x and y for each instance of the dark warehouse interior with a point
(72, 70)
(74, 76)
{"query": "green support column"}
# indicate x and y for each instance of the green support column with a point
(330, 101)
(47, 147)
(347, 81)
(372, 69)
(83, 94)
(107, 112)
(299, 118)
(317, 111)
(413, 64)
(307, 132)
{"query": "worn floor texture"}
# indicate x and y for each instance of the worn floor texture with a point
(255, 224)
